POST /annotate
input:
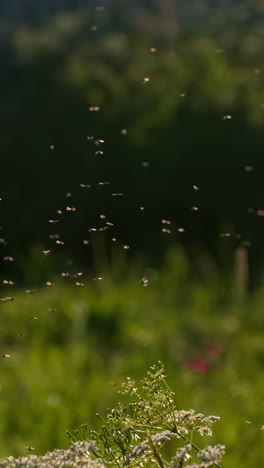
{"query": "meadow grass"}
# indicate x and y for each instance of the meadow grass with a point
(70, 347)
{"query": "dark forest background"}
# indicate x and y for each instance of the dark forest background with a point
(180, 96)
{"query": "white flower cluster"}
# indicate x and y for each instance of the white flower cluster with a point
(212, 454)
(181, 456)
(190, 420)
(210, 457)
(76, 456)
(158, 439)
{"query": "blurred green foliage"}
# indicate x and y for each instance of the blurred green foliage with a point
(203, 60)
(69, 345)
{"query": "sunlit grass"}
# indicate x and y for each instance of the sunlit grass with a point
(70, 345)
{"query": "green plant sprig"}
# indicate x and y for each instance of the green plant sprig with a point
(133, 435)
